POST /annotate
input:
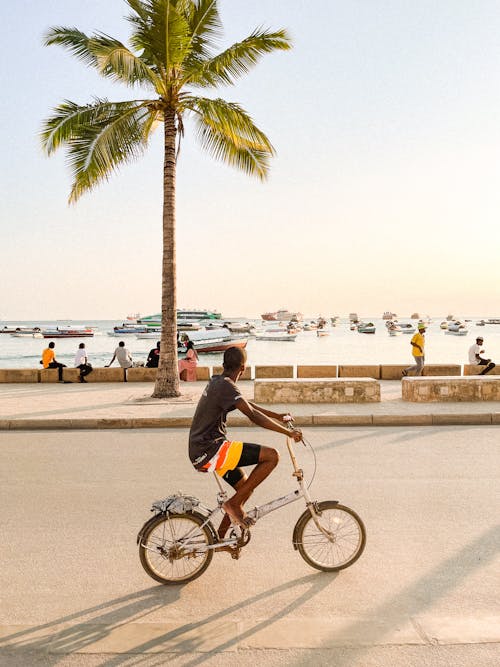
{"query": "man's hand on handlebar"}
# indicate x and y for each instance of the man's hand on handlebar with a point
(296, 434)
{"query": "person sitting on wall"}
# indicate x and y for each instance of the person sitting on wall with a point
(153, 357)
(187, 366)
(49, 361)
(82, 362)
(475, 357)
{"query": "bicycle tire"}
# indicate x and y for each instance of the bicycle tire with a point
(348, 533)
(160, 548)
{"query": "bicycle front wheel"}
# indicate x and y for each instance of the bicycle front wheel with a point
(173, 548)
(338, 544)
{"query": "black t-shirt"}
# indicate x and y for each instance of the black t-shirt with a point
(208, 428)
(153, 358)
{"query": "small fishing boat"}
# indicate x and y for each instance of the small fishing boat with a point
(74, 331)
(322, 332)
(457, 328)
(210, 346)
(407, 328)
(393, 328)
(127, 330)
(481, 323)
(276, 337)
(366, 328)
(24, 334)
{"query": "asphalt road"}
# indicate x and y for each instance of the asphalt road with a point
(425, 591)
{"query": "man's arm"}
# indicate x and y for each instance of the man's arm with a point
(261, 419)
(269, 413)
(416, 345)
(108, 365)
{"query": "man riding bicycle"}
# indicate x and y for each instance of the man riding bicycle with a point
(209, 449)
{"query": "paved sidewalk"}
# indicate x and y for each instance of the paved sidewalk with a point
(129, 405)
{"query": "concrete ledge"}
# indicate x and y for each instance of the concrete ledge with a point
(319, 390)
(273, 372)
(442, 369)
(48, 375)
(71, 374)
(217, 370)
(342, 420)
(451, 389)
(141, 374)
(455, 420)
(116, 374)
(392, 371)
(402, 420)
(474, 369)
(317, 371)
(19, 375)
(360, 372)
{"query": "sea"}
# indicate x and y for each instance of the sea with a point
(341, 346)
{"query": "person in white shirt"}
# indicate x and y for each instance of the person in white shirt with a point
(475, 357)
(82, 362)
(122, 355)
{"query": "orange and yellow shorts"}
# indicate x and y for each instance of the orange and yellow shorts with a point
(231, 455)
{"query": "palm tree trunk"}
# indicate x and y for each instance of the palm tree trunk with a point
(167, 380)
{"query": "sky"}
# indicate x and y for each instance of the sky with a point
(384, 193)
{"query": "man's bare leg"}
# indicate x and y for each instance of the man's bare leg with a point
(268, 460)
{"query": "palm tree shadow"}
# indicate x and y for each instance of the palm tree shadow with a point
(415, 598)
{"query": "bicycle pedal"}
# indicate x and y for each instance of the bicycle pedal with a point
(235, 554)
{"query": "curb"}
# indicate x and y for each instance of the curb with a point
(479, 419)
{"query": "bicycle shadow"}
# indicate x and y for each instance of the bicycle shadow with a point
(56, 638)
(55, 641)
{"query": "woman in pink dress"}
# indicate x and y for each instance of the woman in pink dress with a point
(187, 366)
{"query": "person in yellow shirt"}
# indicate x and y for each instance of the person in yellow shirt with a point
(417, 349)
(49, 360)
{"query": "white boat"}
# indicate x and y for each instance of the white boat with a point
(407, 328)
(444, 325)
(70, 331)
(282, 315)
(239, 327)
(393, 328)
(276, 337)
(27, 335)
(457, 328)
(366, 328)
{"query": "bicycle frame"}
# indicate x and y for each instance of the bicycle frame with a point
(259, 511)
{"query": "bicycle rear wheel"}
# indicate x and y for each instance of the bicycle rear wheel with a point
(342, 544)
(173, 547)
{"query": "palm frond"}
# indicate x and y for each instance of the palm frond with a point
(206, 27)
(162, 32)
(76, 41)
(228, 133)
(116, 61)
(99, 138)
(236, 60)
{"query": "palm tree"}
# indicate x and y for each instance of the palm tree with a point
(172, 53)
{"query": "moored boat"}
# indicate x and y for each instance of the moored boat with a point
(281, 315)
(366, 328)
(74, 331)
(407, 328)
(457, 328)
(276, 337)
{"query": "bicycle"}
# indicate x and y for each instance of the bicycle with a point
(177, 544)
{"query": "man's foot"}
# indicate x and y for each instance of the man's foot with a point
(83, 380)
(237, 515)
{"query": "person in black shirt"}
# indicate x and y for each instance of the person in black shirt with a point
(153, 357)
(210, 450)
